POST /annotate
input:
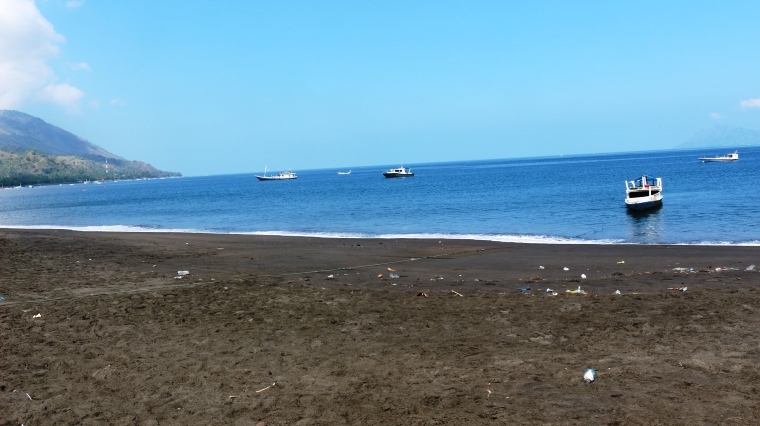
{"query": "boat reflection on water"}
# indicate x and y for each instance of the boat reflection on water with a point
(645, 226)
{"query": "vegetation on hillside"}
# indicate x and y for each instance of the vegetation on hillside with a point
(33, 168)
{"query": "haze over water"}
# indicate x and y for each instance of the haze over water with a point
(559, 199)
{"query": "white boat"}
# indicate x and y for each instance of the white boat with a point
(399, 172)
(643, 193)
(279, 176)
(345, 173)
(734, 156)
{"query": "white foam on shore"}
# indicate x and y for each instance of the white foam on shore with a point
(505, 238)
(527, 239)
(106, 228)
(750, 243)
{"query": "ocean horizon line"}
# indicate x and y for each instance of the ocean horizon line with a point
(479, 160)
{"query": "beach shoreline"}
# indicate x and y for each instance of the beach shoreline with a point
(495, 238)
(447, 338)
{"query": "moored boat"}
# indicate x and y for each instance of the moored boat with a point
(643, 193)
(734, 156)
(399, 172)
(279, 176)
(345, 173)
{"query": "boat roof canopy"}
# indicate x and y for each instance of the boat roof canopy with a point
(645, 180)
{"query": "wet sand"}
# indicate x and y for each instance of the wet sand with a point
(258, 332)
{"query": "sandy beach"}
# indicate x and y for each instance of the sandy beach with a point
(98, 329)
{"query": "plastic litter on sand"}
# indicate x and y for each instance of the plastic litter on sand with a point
(618, 292)
(523, 289)
(589, 375)
(566, 268)
(540, 267)
(183, 272)
(750, 268)
(392, 275)
(583, 276)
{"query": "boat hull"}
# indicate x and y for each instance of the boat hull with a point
(644, 205)
(265, 178)
(397, 175)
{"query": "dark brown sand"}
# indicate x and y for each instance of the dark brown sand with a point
(256, 332)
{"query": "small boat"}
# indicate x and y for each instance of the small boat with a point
(721, 158)
(279, 176)
(643, 193)
(400, 172)
(345, 173)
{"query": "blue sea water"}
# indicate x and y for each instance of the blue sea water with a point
(557, 199)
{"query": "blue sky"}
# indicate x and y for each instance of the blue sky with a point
(229, 86)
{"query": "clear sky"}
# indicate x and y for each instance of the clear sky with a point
(216, 87)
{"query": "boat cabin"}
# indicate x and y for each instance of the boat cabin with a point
(643, 187)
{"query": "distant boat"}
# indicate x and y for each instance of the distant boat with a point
(721, 158)
(400, 172)
(345, 173)
(279, 176)
(643, 193)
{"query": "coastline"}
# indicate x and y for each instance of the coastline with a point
(497, 238)
(256, 310)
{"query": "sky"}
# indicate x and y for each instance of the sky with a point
(225, 87)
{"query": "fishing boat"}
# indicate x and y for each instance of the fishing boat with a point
(345, 173)
(279, 176)
(734, 156)
(399, 172)
(643, 193)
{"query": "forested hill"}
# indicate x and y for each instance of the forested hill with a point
(35, 152)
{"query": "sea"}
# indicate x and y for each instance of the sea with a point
(561, 199)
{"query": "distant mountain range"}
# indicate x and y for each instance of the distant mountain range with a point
(35, 152)
(722, 136)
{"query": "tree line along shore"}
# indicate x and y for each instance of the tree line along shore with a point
(34, 168)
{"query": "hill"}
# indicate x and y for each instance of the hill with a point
(35, 152)
(21, 132)
(722, 136)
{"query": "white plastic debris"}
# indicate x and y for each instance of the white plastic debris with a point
(331, 277)
(183, 272)
(566, 268)
(589, 376)
(548, 290)
(750, 268)
(682, 288)
(540, 267)
(583, 276)
(618, 292)
(392, 275)
(37, 316)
